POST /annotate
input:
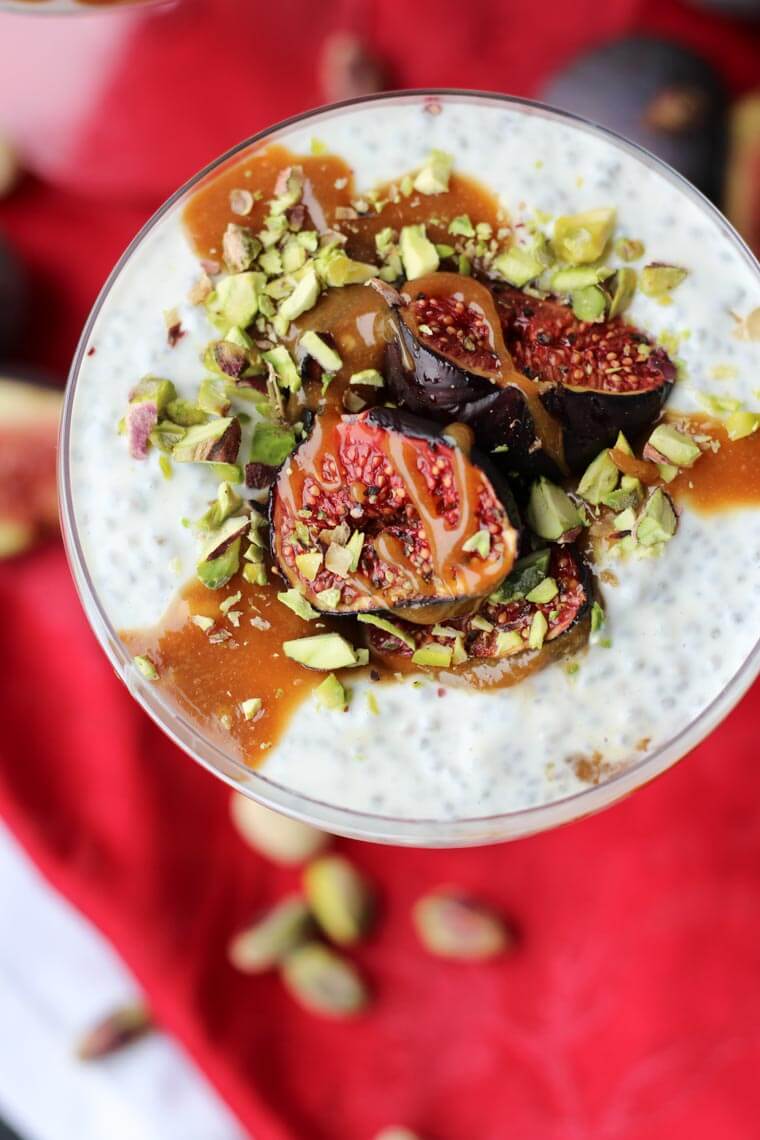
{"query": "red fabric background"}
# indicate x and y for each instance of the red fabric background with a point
(631, 1009)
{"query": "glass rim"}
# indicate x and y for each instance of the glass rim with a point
(347, 821)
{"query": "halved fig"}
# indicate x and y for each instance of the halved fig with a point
(543, 608)
(450, 362)
(29, 415)
(380, 512)
(597, 379)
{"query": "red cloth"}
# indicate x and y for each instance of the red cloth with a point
(631, 1009)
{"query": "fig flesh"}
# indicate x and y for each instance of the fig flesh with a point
(380, 511)
(596, 379)
(451, 362)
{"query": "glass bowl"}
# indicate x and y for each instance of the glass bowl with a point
(410, 109)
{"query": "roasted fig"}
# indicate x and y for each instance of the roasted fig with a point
(547, 595)
(596, 379)
(660, 95)
(450, 362)
(380, 511)
(29, 416)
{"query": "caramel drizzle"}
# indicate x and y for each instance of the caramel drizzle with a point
(454, 567)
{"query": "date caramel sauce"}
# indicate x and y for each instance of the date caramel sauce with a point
(208, 674)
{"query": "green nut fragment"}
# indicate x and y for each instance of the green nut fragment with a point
(418, 254)
(153, 390)
(509, 642)
(324, 651)
(328, 599)
(599, 479)
(628, 249)
(309, 564)
(204, 623)
(166, 435)
(668, 472)
(481, 623)
(478, 543)
(337, 269)
(185, 413)
(220, 558)
(281, 839)
(589, 304)
(520, 264)
(539, 627)
(213, 442)
(265, 944)
(271, 443)
(225, 505)
(524, 577)
(251, 707)
(330, 693)
(216, 572)
(622, 444)
(451, 925)
(235, 300)
(340, 898)
(621, 289)
(354, 546)
(213, 397)
(284, 366)
(674, 446)
(338, 560)
(741, 424)
(369, 377)
(461, 226)
(575, 277)
(239, 247)
(325, 356)
(625, 521)
(433, 655)
(629, 494)
(229, 472)
(656, 279)
(323, 982)
(581, 238)
(598, 617)
(387, 627)
(298, 604)
(255, 574)
(657, 522)
(146, 667)
(543, 592)
(435, 174)
(303, 298)
(551, 513)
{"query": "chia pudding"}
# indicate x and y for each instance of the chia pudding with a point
(607, 534)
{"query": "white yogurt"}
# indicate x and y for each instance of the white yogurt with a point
(681, 625)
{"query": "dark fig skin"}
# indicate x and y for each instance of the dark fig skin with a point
(440, 387)
(425, 609)
(592, 420)
(659, 94)
(567, 639)
(552, 347)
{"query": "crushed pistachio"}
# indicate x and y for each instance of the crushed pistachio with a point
(146, 667)
(296, 602)
(434, 176)
(387, 627)
(478, 543)
(369, 377)
(330, 693)
(204, 623)
(598, 617)
(251, 707)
